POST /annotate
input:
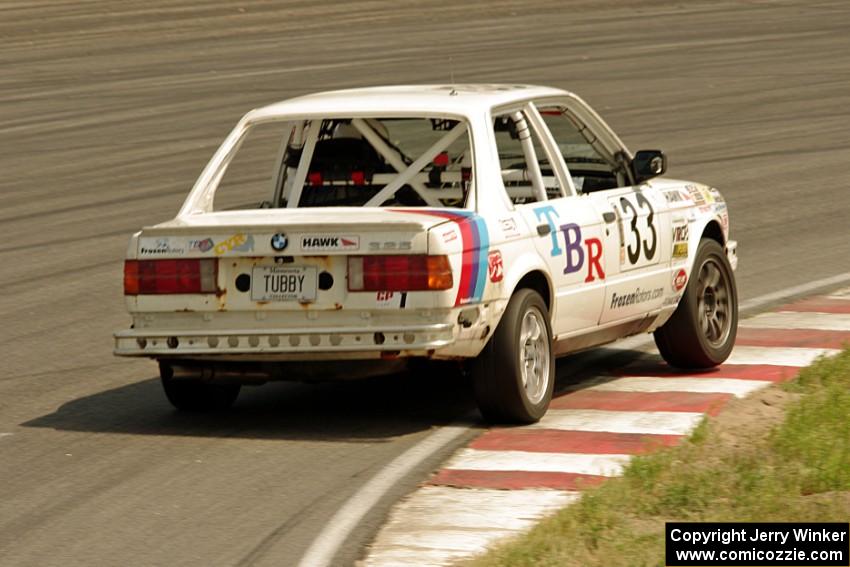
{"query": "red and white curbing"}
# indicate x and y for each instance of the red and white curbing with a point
(504, 481)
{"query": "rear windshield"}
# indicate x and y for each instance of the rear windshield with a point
(355, 162)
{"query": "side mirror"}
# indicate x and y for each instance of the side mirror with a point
(648, 164)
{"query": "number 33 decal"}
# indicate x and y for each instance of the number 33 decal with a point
(645, 238)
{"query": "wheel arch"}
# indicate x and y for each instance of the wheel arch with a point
(713, 231)
(524, 269)
(538, 281)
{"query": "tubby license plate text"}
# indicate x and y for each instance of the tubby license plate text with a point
(283, 283)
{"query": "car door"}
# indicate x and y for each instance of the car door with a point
(639, 276)
(568, 228)
(635, 225)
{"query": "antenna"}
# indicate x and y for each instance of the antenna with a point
(453, 92)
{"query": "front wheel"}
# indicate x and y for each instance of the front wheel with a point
(514, 375)
(701, 332)
(195, 395)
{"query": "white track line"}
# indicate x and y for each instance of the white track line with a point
(738, 388)
(323, 549)
(477, 460)
(644, 422)
(843, 293)
(780, 356)
(800, 320)
(437, 525)
(794, 291)
(478, 508)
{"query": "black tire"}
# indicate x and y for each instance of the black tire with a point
(497, 373)
(197, 396)
(702, 330)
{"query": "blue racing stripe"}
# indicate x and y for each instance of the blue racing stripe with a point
(476, 264)
(481, 245)
(483, 254)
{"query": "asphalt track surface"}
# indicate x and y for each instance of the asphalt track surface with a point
(108, 111)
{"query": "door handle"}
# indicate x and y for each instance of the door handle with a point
(609, 216)
(543, 229)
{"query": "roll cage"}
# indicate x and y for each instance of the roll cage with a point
(428, 178)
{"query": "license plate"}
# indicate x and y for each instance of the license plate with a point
(283, 283)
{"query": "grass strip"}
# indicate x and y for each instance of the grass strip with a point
(782, 454)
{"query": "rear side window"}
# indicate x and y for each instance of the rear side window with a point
(526, 172)
(249, 178)
(357, 162)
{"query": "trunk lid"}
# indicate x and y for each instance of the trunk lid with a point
(283, 259)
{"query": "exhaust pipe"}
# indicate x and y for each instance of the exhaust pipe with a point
(219, 374)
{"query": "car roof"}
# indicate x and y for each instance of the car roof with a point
(461, 99)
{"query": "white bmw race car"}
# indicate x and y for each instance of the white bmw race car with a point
(345, 233)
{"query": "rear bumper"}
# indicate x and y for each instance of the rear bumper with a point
(732, 253)
(303, 343)
(245, 336)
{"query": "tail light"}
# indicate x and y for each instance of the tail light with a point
(142, 277)
(399, 273)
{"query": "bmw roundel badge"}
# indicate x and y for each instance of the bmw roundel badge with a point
(279, 241)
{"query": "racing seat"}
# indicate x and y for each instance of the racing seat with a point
(341, 173)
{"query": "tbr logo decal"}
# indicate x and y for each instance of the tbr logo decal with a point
(329, 243)
(680, 280)
(238, 242)
(495, 268)
(575, 254)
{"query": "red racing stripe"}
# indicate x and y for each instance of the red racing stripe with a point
(560, 441)
(466, 286)
(766, 372)
(819, 305)
(710, 403)
(808, 338)
(514, 480)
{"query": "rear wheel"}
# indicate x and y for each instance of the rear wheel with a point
(702, 330)
(515, 373)
(196, 395)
